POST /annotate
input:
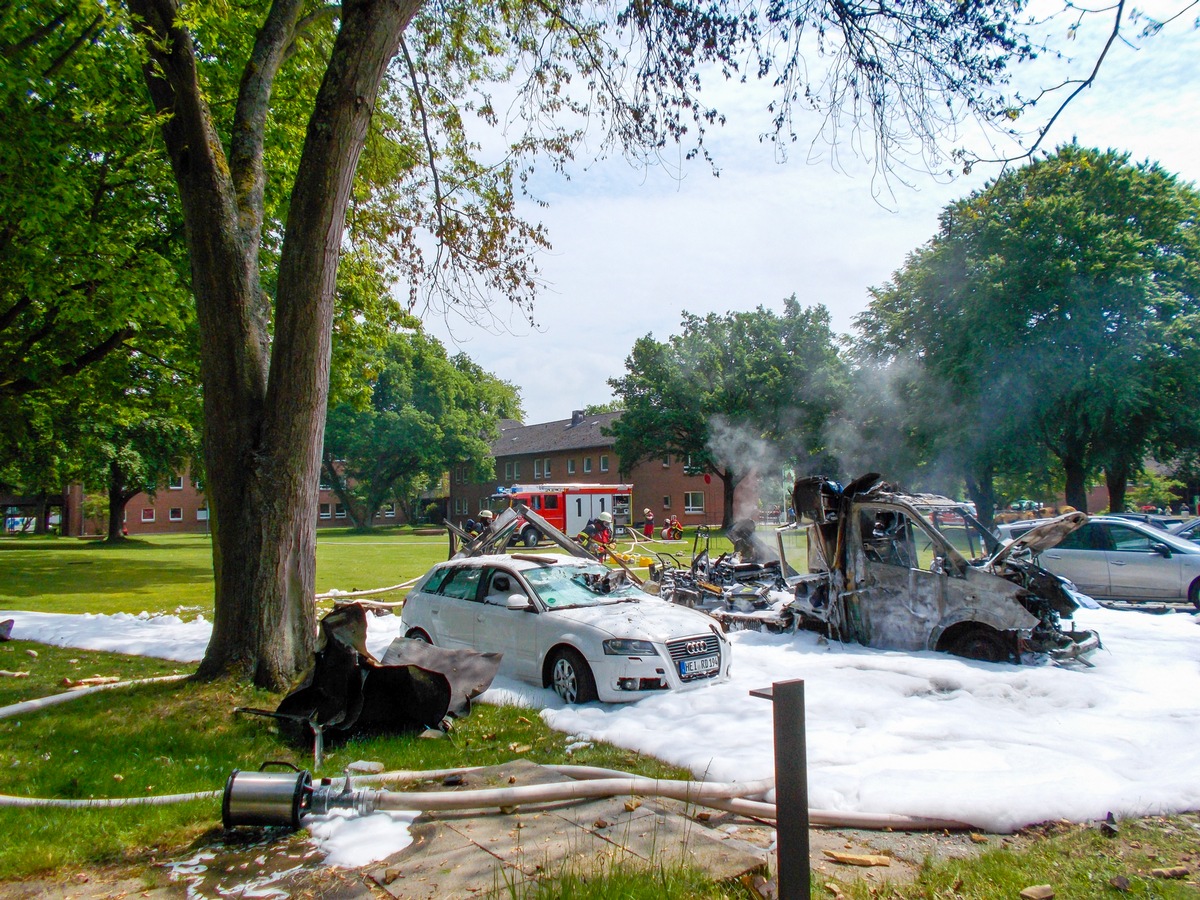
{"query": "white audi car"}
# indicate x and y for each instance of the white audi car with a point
(567, 623)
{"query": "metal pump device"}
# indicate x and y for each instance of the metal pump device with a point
(281, 798)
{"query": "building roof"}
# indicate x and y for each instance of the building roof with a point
(579, 432)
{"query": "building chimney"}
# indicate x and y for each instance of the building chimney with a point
(576, 416)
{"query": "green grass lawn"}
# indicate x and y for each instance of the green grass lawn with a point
(169, 573)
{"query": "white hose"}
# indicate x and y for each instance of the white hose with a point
(591, 782)
(758, 810)
(17, 709)
(105, 802)
(347, 596)
(739, 801)
(688, 791)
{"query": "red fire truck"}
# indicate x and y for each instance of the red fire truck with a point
(568, 507)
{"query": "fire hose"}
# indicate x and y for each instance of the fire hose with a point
(273, 798)
(282, 799)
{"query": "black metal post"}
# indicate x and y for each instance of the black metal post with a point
(791, 790)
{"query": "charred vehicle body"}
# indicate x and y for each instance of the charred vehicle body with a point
(866, 583)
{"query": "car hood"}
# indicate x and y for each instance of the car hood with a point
(1042, 537)
(648, 618)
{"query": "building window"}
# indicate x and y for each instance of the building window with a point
(666, 460)
(175, 513)
(603, 462)
(666, 501)
(198, 484)
(176, 483)
(339, 511)
(693, 501)
(546, 466)
(324, 511)
(537, 468)
(147, 514)
(570, 466)
(508, 467)
(516, 469)
(483, 503)
(389, 510)
(587, 465)
(202, 514)
(324, 485)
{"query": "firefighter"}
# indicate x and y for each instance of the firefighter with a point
(672, 529)
(603, 536)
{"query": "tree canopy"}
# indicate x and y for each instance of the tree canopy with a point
(729, 391)
(1055, 312)
(427, 413)
(91, 248)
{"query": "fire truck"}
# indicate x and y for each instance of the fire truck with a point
(568, 507)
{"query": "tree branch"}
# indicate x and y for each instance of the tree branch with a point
(24, 385)
(419, 98)
(9, 51)
(250, 116)
(1086, 83)
(62, 58)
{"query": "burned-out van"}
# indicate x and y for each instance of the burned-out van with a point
(883, 574)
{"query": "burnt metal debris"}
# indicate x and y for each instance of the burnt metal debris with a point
(347, 690)
(744, 580)
(865, 582)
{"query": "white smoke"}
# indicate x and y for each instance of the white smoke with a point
(756, 461)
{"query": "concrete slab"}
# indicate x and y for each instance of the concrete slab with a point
(463, 854)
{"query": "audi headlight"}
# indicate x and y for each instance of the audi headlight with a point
(626, 647)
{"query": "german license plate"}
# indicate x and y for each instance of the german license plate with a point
(699, 666)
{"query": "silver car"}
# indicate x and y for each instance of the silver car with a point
(1112, 558)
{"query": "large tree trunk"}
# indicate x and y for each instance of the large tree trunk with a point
(728, 488)
(1076, 485)
(263, 420)
(41, 522)
(981, 490)
(118, 498)
(1116, 479)
(353, 509)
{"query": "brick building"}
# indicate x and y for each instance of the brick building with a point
(182, 507)
(566, 450)
(576, 450)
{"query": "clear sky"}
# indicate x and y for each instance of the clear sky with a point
(634, 248)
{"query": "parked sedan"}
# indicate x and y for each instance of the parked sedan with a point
(1112, 558)
(567, 623)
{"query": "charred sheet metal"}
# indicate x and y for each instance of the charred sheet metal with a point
(347, 690)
